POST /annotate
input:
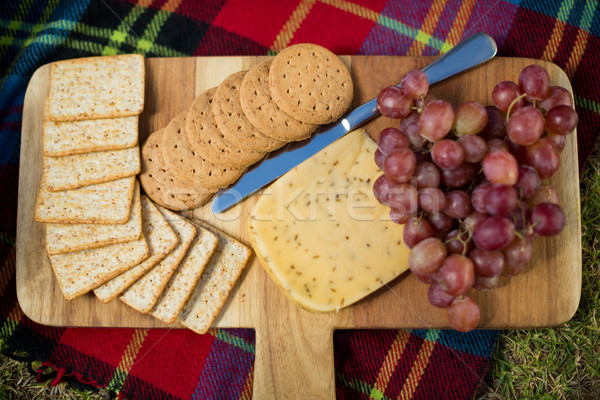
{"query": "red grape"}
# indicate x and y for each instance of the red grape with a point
(499, 166)
(391, 139)
(516, 150)
(559, 141)
(496, 125)
(447, 154)
(382, 188)
(404, 198)
(478, 196)
(392, 102)
(547, 219)
(456, 275)
(496, 144)
(545, 194)
(458, 204)
(415, 84)
(437, 297)
(441, 223)
(556, 96)
(487, 263)
(463, 314)
(518, 252)
(543, 156)
(535, 81)
(500, 200)
(436, 120)
(493, 233)
(399, 165)
(400, 216)
(427, 256)
(422, 156)
(528, 182)
(504, 94)
(432, 200)
(427, 279)
(469, 119)
(512, 270)
(427, 175)
(474, 148)
(379, 158)
(561, 120)
(484, 284)
(472, 220)
(416, 230)
(458, 177)
(410, 126)
(525, 125)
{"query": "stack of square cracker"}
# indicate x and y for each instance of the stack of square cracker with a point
(103, 234)
(88, 195)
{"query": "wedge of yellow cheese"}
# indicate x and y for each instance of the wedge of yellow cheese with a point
(320, 233)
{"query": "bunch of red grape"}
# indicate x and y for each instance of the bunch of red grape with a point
(466, 182)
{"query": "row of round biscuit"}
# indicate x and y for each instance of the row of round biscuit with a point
(228, 128)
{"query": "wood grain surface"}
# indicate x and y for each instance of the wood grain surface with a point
(294, 348)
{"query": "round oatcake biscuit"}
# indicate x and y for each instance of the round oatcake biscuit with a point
(164, 187)
(182, 160)
(310, 83)
(232, 122)
(262, 111)
(207, 140)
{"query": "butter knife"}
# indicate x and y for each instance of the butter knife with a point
(469, 53)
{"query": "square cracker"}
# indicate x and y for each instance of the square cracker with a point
(96, 87)
(186, 275)
(78, 137)
(103, 203)
(215, 284)
(66, 238)
(71, 172)
(161, 241)
(143, 293)
(81, 271)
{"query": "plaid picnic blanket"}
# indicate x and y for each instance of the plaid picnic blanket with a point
(178, 364)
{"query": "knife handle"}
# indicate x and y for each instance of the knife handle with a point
(469, 53)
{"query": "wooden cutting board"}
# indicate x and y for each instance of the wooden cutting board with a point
(294, 348)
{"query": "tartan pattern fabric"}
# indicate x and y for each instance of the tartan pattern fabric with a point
(178, 364)
(419, 364)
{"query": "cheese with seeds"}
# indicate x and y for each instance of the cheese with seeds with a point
(320, 233)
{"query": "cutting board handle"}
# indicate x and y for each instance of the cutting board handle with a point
(294, 358)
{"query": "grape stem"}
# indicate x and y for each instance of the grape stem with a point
(419, 109)
(523, 216)
(460, 239)
(419, 218)
(512, 104)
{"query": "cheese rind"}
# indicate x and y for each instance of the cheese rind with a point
(320, 233)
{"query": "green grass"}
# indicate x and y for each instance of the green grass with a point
(561, 362)
(17, 382)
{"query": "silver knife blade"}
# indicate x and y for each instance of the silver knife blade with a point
(469, 53)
